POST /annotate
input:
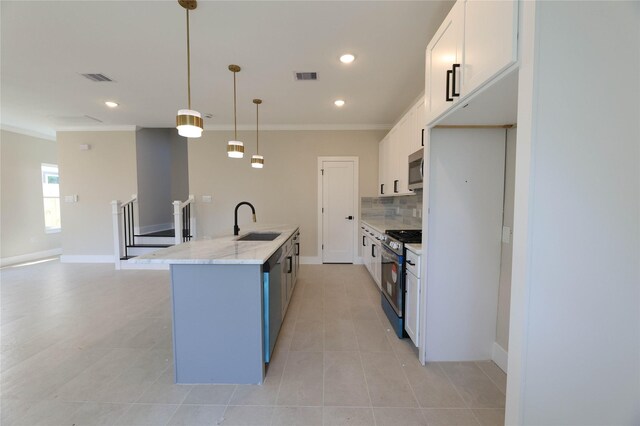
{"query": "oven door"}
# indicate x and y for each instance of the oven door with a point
(392, 280)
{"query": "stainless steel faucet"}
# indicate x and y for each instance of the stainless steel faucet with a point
(236, 229)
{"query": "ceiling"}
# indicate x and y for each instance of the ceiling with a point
(141, 45)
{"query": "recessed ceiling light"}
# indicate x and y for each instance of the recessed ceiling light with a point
(339, 103)
(111, 104)
(347, 58)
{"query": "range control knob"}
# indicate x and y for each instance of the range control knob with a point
(394, 245)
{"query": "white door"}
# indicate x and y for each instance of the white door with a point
(411, 322)
(338, 211)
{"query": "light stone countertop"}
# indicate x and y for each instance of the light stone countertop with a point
(382, 225)
(223, 250)
(414, 247)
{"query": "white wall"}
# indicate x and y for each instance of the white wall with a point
(504, 292)
(179, 166)
(104, 173)
(574, 344)
(21, 206)
(285, 191)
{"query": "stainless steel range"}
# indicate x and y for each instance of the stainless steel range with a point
(393, 274)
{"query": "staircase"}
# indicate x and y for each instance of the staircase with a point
(128, 243)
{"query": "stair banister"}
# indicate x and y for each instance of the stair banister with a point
(181, 222)
(120, 230)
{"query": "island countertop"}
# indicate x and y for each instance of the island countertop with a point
(222, 250)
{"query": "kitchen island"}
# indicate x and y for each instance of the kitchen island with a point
(229, 297)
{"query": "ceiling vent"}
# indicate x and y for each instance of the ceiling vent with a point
(304, 76)
(97, 77)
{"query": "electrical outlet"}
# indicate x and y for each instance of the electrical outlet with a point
(70, 198)
(206, 198)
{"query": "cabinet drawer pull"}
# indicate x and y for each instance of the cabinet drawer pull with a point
(364, 244)
(395, 186)
(449, 74)
(382, 188)
(290, 259)
(454, 93)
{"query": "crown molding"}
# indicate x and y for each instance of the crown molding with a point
(101, 128)
(268, 127)
(27, 132)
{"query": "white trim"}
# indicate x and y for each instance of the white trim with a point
(500, 356)
(125, 264)
(356, 202)
(12, 260)
(310, 260)
(80, 258)
(153, 228)
(98, 128)
(358, 260)
(271, 127)
(48, 136)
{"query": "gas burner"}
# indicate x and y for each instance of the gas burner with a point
(406, 235)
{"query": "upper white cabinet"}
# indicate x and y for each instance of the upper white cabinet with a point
(421, 124)
(444, 57)
(476, 41)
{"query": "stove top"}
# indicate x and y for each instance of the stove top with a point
(406, 235)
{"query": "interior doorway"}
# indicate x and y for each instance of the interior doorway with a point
(338, 205)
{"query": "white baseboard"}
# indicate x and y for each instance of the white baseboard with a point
(79, 258)
(12, 260)
(500, 356)
(310, 260)
(358, 261)
(154, 228)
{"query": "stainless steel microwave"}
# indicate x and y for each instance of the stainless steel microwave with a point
(416, 167)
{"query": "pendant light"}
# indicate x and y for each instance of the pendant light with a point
(188, 121)
(257, 161)
(235, 148)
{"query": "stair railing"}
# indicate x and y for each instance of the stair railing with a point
(123, 217)
(184, 222)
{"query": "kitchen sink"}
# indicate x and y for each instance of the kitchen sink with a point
(259, 236)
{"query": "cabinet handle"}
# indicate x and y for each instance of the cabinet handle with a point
(395, 186)
(449, 74)
(453, 84)
(349, 217)
(411, 263)
(382, 188)
(422, 138)
(297, 249)
(363, 241)
(373, 252)
(290, 259)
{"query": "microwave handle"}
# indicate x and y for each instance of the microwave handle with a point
(422, 168)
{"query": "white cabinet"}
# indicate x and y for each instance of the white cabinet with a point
(384, 166)
(490, 40)
(412, 297)
(370, 244)
(394, 151)
(421, 124)
(476, 41)
(443, 53)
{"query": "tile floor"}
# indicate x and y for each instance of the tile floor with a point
(88, 345)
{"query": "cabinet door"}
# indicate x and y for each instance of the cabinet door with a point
(444, 50)
(383, 148)
(412, 300)
(490, 40)
(421, 124)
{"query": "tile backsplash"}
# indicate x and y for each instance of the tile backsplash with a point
(393, 208)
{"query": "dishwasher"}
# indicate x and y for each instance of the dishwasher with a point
(272, 301)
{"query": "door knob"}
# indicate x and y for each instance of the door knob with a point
(349, 217)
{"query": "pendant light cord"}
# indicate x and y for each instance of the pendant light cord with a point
(235, 125)
(188, 62)
(257, 133)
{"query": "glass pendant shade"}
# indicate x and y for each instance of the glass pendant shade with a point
(257, 161)
(235, 149)
(189, 123)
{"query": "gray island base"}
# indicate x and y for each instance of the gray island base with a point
(229, 297)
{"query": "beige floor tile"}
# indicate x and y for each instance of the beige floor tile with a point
(147, 414)
(449, 417)
(308, 335)
(497, 376)
(98, 413)
(210, 394)
(490, 416)
(247, 416)
(347, 416)
(371, 336)
(165, 391)
(388, 386)
(48, 413)
(340, 335)
(344, 382)
(197, 415)
(264, 394)
(399, 417)
(302, 380)
(430, 384)
(297, 416)
(475, 387)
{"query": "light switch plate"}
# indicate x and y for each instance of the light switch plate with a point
(206, 198)
(506, 234)
(70, 198)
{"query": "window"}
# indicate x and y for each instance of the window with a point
(51, 197)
